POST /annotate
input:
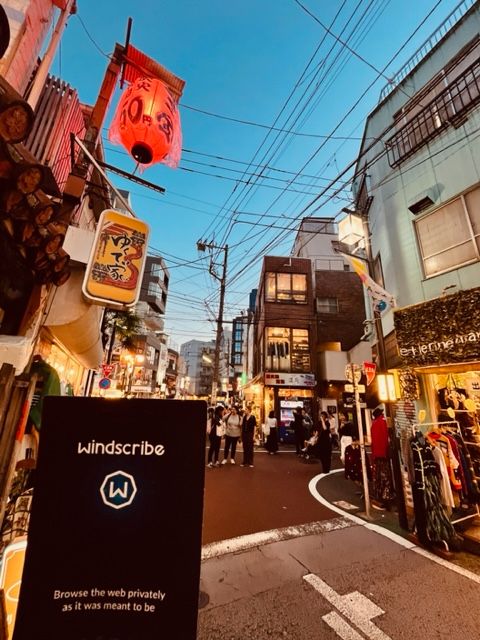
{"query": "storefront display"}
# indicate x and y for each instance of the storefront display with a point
(438, 417)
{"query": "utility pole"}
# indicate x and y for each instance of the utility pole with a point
(201, 246)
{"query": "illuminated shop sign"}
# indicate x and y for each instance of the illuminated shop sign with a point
(114, 272)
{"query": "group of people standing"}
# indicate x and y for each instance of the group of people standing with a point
(313, 440)
(234, 425)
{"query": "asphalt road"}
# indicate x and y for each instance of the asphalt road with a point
(316, 575)
(240, 500)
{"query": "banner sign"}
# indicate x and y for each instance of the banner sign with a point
(115, 269)
(114, 544)
(290, 379)
(369, 369)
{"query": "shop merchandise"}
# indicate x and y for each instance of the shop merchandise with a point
(353, 463)
(444, 483)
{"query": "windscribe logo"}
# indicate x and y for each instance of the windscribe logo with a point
(118, 489)
(113, 448)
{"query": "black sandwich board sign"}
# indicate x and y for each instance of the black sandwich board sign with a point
(115, 533)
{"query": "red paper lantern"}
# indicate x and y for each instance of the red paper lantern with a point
(147, 123)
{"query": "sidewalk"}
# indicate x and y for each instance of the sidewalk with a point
(347, 496)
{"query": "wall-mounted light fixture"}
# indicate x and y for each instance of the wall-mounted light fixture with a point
(350, 228)
(386, 387)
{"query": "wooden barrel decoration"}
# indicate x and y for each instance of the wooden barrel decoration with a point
(16, 120)
(12, 200)
(61, 277)
(61, 260)
(44, 276)
(41, 261)
(43, 208)
(31, 237)
(28, 177)
(53, 243)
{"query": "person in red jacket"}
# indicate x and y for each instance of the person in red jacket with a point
(383, 491)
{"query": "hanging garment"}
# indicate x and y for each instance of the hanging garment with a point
(353, 464)
(451, 461)
(445, 487)
(382, 481)
(431, 519)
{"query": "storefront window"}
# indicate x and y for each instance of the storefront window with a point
(286, 287)
(287, 349)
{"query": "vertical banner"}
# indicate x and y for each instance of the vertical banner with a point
(114, 544)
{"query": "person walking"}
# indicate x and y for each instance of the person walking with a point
(271, 445)
(249, 424)
(299, 429)
(325, 442)
(215, 437)
(233, 431)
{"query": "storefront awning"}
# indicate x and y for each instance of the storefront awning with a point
(75, 323)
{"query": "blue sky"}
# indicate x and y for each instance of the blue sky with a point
(242, 60)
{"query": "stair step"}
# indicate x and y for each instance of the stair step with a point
(471, 538)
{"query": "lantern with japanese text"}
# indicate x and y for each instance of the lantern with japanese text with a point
(147, 123)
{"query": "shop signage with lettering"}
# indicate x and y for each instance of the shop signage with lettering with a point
(441, 331)
(290, 379)
(115, 269)
(114, 542)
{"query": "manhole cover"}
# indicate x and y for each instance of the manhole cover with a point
(203, 599)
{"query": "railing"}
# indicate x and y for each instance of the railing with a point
(449, 107)
(460, 10)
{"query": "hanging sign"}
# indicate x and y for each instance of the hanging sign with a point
(115, 269)
(107, 369)
(369, 369)
(114, 545)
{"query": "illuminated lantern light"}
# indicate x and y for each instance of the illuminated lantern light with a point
(147, 123)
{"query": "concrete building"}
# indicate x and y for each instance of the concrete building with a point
(417, 182)
(198, 356)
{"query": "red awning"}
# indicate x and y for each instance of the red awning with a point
(138, 64)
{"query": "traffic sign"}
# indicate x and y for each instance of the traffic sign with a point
(107, 369)
(349, 388)
(105, 383)
(357, 370)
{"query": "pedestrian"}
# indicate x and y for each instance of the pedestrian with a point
(333, 429)
(383, 492)
(325, 442)
(347, 434)
(299, 429)
(233, 431)
(307, 422)
(215, 437)
(271, 445)
(249, 424)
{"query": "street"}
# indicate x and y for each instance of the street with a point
(336, 580)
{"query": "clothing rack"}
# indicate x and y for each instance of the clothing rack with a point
(449, 425)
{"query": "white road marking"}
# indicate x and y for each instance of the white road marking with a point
(312, 486)
(243, 543)
(354, 606)
(341, 627)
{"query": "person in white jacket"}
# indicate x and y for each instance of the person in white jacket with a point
(233, 431)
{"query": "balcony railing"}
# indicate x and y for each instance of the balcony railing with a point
(448, 108)
(460, 10)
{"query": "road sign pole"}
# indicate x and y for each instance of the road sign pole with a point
(366, 491)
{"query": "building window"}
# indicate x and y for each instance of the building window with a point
(286, 287)
(449, 237)
(154, 289)
(437, 106)
(327, 305)
(287, 349)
